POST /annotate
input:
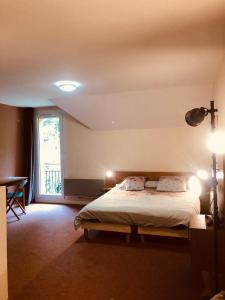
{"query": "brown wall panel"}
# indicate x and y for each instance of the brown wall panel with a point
(11, 145)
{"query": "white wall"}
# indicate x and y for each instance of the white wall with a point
(89, 153)
(219, 95)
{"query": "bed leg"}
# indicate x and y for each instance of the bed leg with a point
(86, 237)
(142, 238)
(128, 237)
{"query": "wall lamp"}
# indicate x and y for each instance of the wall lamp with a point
(194, 118)
(109, 174)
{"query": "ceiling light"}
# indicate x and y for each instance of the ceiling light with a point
(67, 85)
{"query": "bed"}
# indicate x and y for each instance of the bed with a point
(146, 211)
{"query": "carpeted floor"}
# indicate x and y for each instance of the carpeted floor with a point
(48, 259)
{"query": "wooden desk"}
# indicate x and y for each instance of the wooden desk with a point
(12, 181)
(4, 183)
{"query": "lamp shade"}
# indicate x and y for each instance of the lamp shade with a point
(195, 116)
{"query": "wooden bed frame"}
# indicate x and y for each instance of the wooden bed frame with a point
(88, 225)
(118, 176)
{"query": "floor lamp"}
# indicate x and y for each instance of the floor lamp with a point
(194, 118)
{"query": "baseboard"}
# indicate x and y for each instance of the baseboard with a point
(70, 200)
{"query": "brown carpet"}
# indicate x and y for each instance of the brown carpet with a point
(49, 260)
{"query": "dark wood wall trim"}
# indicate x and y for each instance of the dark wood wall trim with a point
(83, 187)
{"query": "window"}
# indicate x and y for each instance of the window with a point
(49, 163)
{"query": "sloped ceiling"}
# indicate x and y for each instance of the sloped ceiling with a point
(135, 59)
(155, 108)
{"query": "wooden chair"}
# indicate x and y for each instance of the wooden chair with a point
(15, 197)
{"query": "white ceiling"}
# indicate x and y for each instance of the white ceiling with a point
(112, 47)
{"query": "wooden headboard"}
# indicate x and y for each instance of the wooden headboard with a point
(119, 176)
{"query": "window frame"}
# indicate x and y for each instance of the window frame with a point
(42, 113)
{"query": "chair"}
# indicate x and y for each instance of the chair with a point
(15, 197)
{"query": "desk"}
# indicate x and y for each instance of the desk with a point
(11, 181)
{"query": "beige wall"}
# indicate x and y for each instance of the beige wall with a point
(89, 153)
(11, 128)
(136, 109)
(219, 95)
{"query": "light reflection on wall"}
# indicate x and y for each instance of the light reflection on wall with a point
(195, 186)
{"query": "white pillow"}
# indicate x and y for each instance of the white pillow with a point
(171, 184)
(220, 296)
(133, 183)
(151, 184)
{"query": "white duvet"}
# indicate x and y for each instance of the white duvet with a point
(146, 208)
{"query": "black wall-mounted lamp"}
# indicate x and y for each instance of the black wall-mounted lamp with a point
(194, 118)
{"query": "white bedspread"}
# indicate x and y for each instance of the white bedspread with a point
(146, 208)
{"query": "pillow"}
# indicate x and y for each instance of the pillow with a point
(151, 184)
(220, 296)
(171, 184)
(134, 183)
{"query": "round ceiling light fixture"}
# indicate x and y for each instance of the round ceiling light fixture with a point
(67, 85)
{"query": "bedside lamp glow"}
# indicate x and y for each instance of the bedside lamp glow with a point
(216, 142)
(109, 174)
(202, 174)
(195, 186)
(219, 175)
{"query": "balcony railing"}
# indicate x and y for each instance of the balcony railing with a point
(53, 185)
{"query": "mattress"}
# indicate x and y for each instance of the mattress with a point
(145, 208)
